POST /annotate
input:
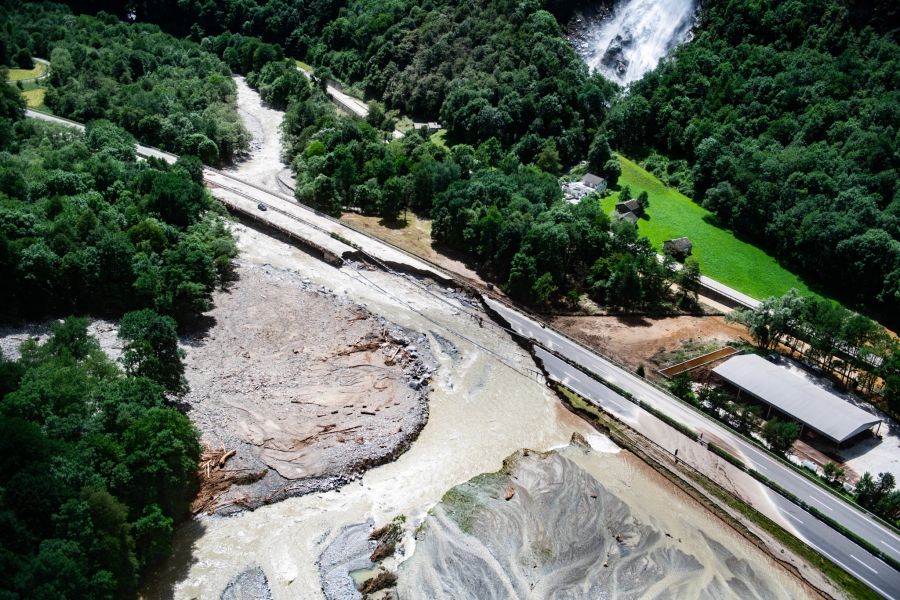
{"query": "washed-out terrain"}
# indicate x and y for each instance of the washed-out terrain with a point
(306, 388)
(486, 401)
(561, 524)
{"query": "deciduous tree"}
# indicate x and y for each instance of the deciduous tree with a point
(151, 349)
(781, 435)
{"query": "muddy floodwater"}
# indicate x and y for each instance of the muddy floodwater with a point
(486, 404)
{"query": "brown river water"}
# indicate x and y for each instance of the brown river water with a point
(484, 407)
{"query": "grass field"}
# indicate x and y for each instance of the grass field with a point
(439, 138)
(20, 74)
(722, 256)
(35, 98)
(403, 123)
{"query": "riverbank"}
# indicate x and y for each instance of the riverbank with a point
(618, 532)
(262, 162)
(487, 402)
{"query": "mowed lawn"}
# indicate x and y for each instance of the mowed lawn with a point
(722, 256)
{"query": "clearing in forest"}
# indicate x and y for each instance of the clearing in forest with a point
(722, 256)
(23, 74)
(34, 98)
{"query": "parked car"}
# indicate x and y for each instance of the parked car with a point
(261, 206)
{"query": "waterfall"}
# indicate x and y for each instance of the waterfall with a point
(633, 39)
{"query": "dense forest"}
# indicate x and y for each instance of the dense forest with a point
(485, 70)
(86, 228)
(781, 117)
(167, 92)
(97, 464)
(782, 120)
(788, 114)
(508, 217)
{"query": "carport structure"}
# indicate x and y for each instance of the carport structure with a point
(796, 397)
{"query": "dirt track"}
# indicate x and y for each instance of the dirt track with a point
(308, 388)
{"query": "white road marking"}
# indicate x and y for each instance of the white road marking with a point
(822, 503)
(753, 454)
(863, 564)
(793, 517)
(889, 546)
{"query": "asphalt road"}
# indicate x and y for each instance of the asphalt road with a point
(707, 284)
(348, 103)
(869, 569)
(284, 205)
(728, 292)
(145, 151)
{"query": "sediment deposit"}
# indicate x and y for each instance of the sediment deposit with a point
(307, 388)
(488, 401)
(544, 527)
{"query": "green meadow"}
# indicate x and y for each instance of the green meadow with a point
(722, 256)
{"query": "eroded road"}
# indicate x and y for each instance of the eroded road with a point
(868, 568)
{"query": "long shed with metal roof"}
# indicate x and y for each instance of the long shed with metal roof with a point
(797, 397)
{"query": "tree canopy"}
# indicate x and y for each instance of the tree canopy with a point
(778, 116)
(96, 466)
(167, 92)
(781, 117)
(96, 470)
(485, 70)
(87, 228)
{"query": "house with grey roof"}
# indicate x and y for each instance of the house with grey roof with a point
(595, 182)
(629, 210)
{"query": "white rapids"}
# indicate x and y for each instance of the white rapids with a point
(636, 36)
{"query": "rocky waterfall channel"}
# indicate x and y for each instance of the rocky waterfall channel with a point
(627, 38)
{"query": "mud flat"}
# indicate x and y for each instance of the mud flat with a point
(487, 402)
(572, 523)
(308, 389)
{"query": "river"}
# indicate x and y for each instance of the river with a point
(480, 411)
(487, 402)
